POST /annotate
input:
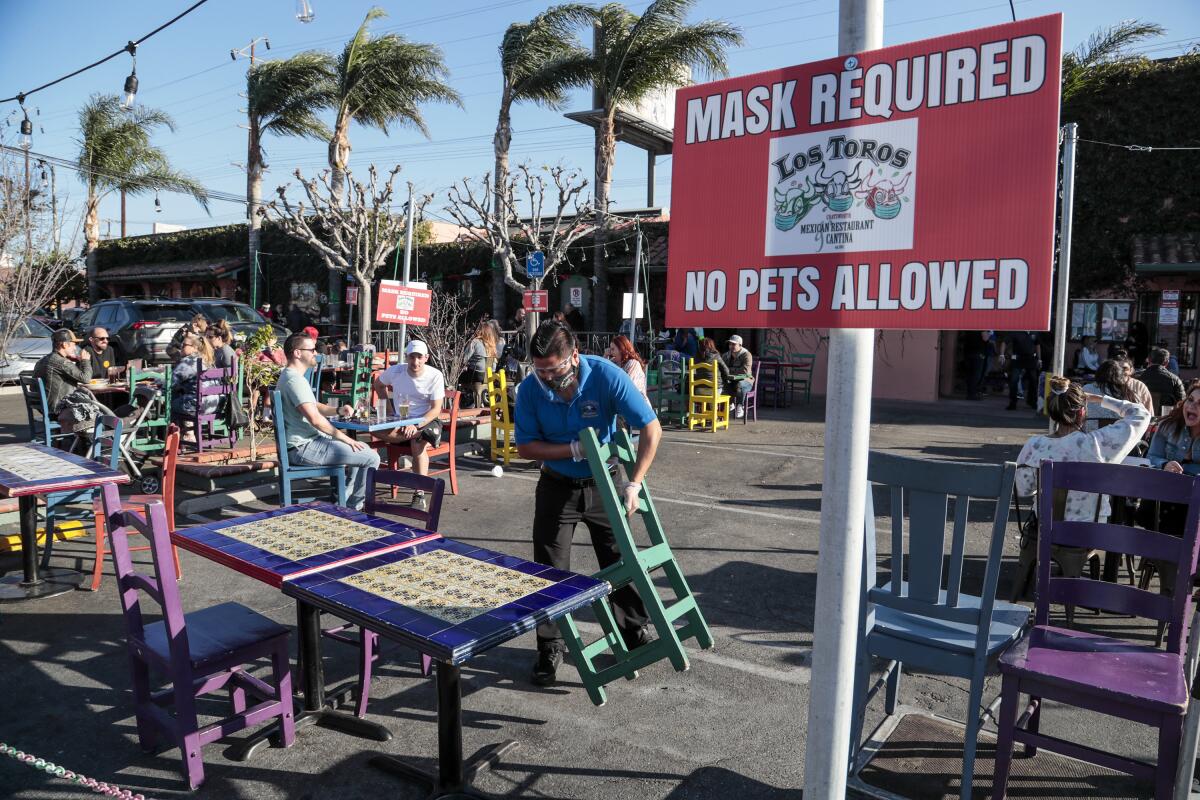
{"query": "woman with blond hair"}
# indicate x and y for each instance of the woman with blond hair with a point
(481, 354)
(220, 338)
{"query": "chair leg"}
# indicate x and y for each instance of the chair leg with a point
(189, 740)
(862, 676)
(48, 550)
(178, 566)
(341, 487)
(453, 474)
(893, 689)
(285, 490)
(1035, 721)
(1169, 731)
(147, 734)
(974, 701)
(98, 565)
(367, 642)
(1009, 693)
(281, 676)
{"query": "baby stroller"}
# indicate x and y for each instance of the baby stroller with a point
(149, 407)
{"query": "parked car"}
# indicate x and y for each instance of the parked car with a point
(243, 320)
(30, 341)
(44, 316)
(137, 328)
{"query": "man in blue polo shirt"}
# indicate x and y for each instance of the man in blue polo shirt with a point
(565, 393)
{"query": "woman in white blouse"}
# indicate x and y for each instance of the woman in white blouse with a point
(1067, 406)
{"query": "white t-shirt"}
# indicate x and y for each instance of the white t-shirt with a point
(422, 392)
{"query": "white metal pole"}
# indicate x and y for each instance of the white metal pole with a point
(843, 495)
(637, 275)
(408, 239)
(1061, 306)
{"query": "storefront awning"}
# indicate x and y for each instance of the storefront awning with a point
(1167, 253)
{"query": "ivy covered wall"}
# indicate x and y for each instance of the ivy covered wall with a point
(1118, 193)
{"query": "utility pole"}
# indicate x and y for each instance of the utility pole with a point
(254, 171)
(843, 496)
(54, 210)
(28, 209)
(408, 239)
(634, 316)
(122, 204)
(1070, 135)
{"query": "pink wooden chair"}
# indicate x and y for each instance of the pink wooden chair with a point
(199, 653)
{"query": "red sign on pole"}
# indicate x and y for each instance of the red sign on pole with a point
(351, 295)
(536, 300)
(908, 187)
(404, 304)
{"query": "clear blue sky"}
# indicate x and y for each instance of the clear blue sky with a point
(186, 70)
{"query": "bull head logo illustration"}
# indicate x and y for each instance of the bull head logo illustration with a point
(794, 205)
(837, 190)
(884, 197)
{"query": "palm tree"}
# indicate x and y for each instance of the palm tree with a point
(539, 61)
(1082, 67)
(283, 98)
(115, 154)
(634, 56)
(380, 82)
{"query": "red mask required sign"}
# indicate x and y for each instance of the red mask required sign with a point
(908, 187)
(404, 304)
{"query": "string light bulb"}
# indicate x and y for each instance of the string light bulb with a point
(131, 83)
(157, 203)
(44, 177)
(304, 11)
(26, 140)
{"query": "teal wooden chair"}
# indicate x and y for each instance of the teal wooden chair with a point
(313, 375)
(634, 569)
(43, 428)
(916, 621)
(289, 473)
(359, 389)
(77, 505)
(669, 393)
(151, 435)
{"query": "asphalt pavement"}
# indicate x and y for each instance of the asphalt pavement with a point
(742, 510)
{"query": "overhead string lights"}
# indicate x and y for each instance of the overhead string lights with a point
(131, 83)
(26, 140)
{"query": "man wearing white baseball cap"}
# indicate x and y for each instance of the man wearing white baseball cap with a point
(741, 374)
(419, 389)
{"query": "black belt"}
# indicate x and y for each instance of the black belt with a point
(575, 483)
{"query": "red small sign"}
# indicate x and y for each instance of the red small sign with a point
(351, 295)
(537, 300)
(403, 304)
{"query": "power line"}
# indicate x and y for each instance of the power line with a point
(129, 48)
(1136, 148)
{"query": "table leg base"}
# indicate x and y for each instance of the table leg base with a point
(484, 760)
(51, 582)
(326, 718)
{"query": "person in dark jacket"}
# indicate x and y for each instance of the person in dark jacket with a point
(197, 327)
(64, 368)
(1166, 387)
(103, 357)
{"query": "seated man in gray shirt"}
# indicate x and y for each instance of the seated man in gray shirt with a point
(311, 440)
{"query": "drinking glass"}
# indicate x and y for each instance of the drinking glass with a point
(402, 407)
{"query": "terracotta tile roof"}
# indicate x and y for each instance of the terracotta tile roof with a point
(202, 268)
(1175, 249)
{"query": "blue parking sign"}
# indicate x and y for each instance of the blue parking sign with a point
(535, 264)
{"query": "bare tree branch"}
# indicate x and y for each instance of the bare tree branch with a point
(472, 205)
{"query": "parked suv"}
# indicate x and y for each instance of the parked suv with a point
(137, 328)
(243, 320)
(142, 328)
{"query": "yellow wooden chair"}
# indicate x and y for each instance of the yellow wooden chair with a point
(504, 437)
(707, 407)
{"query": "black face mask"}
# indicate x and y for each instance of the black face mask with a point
(561, 382)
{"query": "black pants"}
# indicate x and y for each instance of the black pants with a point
(559, 507)
(1018, 375)
(976, 372)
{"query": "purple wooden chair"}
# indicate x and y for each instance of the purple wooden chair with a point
(214, 428)
(1131, 681)
(367, 641)
(198, 653)
(750, 398)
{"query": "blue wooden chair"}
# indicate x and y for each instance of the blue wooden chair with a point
(78, 505)
(917, 621)
(313, 375)
(367, 641)
(288, 473)
(43, 428)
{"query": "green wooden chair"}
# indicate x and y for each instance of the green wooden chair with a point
(798, 375)
(359, 390)
(151, 435)
(669, 391)
(674, 622)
